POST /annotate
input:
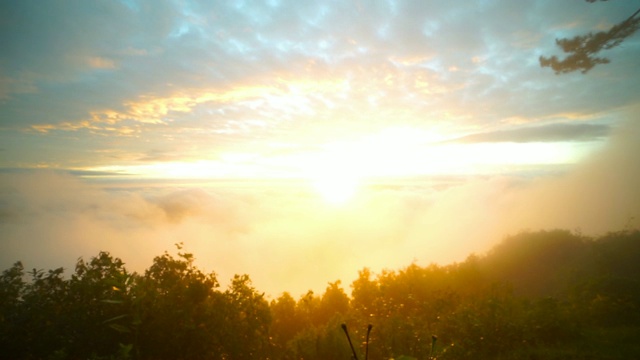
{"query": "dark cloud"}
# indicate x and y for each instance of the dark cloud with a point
(547, 133)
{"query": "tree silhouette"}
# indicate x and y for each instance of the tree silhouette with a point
(583, 50)
(247, 320)
(171, 310)
(545, 294)
(286, 322)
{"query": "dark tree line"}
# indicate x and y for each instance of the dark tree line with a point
(542, 295)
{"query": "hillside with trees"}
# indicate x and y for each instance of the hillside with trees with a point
(536, 295)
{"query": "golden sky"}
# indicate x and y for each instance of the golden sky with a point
(299, 141)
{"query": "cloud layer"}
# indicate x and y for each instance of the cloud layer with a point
(123, 80)
(288, 239)
(125, 103)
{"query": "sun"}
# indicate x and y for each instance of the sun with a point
(334, 174)
(336, 188)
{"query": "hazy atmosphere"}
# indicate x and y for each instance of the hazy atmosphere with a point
(300, 141)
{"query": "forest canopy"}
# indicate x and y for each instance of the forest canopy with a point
(546, 294)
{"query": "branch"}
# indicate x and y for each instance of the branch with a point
(583, 49)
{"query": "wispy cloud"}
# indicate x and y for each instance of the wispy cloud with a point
(191, 56)
(547, 133)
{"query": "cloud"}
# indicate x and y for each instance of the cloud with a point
(288, 239)
(167, 54)
(598, 196)
(49, 219)
(22, 84)
(546, 133)
(192, 81)
(97, 62)
(274, 98)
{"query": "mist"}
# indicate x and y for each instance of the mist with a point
(287, 239)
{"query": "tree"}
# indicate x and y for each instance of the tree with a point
(285, 322)
(247, 321)
(364, 294)
(99, 301)
(43, 315)
(583, 50)
(539, 263)
(334, 301)
(12, 290)
(307, 309)
(172, 313)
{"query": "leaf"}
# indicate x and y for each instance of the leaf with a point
(125, 350)
(119, 328)
(115, 318)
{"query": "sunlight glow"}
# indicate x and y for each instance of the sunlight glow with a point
(334, 174)
(335, 170)
(336, 189)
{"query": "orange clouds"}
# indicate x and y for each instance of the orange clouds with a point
(156, 110)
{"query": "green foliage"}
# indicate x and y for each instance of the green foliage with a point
(98, 295)
(536, 264)
(247, 319)
(12, 291)
(286, 322)
(546, 294)
(171, 311)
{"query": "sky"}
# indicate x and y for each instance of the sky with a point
(301, 141)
